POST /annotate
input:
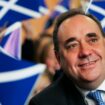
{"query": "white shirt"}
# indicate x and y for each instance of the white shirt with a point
(90, 101)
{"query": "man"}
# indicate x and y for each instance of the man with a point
(80, 49)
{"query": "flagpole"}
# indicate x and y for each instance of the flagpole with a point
(88, 6)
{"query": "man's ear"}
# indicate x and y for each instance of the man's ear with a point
(58, 58)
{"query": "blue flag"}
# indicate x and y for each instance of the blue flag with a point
(97, 8)
(18, 10)
(17, 80)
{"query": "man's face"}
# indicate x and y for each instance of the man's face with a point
(82, 51)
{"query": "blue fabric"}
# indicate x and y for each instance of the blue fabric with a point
(16, 91)
(12, 15)
(99, 12)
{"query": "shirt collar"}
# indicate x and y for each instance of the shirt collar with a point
(102, 86)
(85, 92)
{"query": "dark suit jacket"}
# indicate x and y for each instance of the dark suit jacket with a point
(62, 92)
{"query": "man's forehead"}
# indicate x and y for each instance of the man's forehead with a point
(77, 25)
(76, 18)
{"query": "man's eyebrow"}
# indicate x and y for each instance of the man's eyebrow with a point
(92, 35)
(70, 40)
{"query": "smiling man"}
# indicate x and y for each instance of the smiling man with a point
(80, 49)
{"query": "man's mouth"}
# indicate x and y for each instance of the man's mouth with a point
(87, 65)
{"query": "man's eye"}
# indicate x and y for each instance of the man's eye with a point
(72, 46)
(94, 40)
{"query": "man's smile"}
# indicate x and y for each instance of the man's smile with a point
(87, 65)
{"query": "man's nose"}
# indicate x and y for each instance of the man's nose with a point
(85, 50)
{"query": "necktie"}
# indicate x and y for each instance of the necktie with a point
(96, 96)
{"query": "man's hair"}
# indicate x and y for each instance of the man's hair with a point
(69, 14)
